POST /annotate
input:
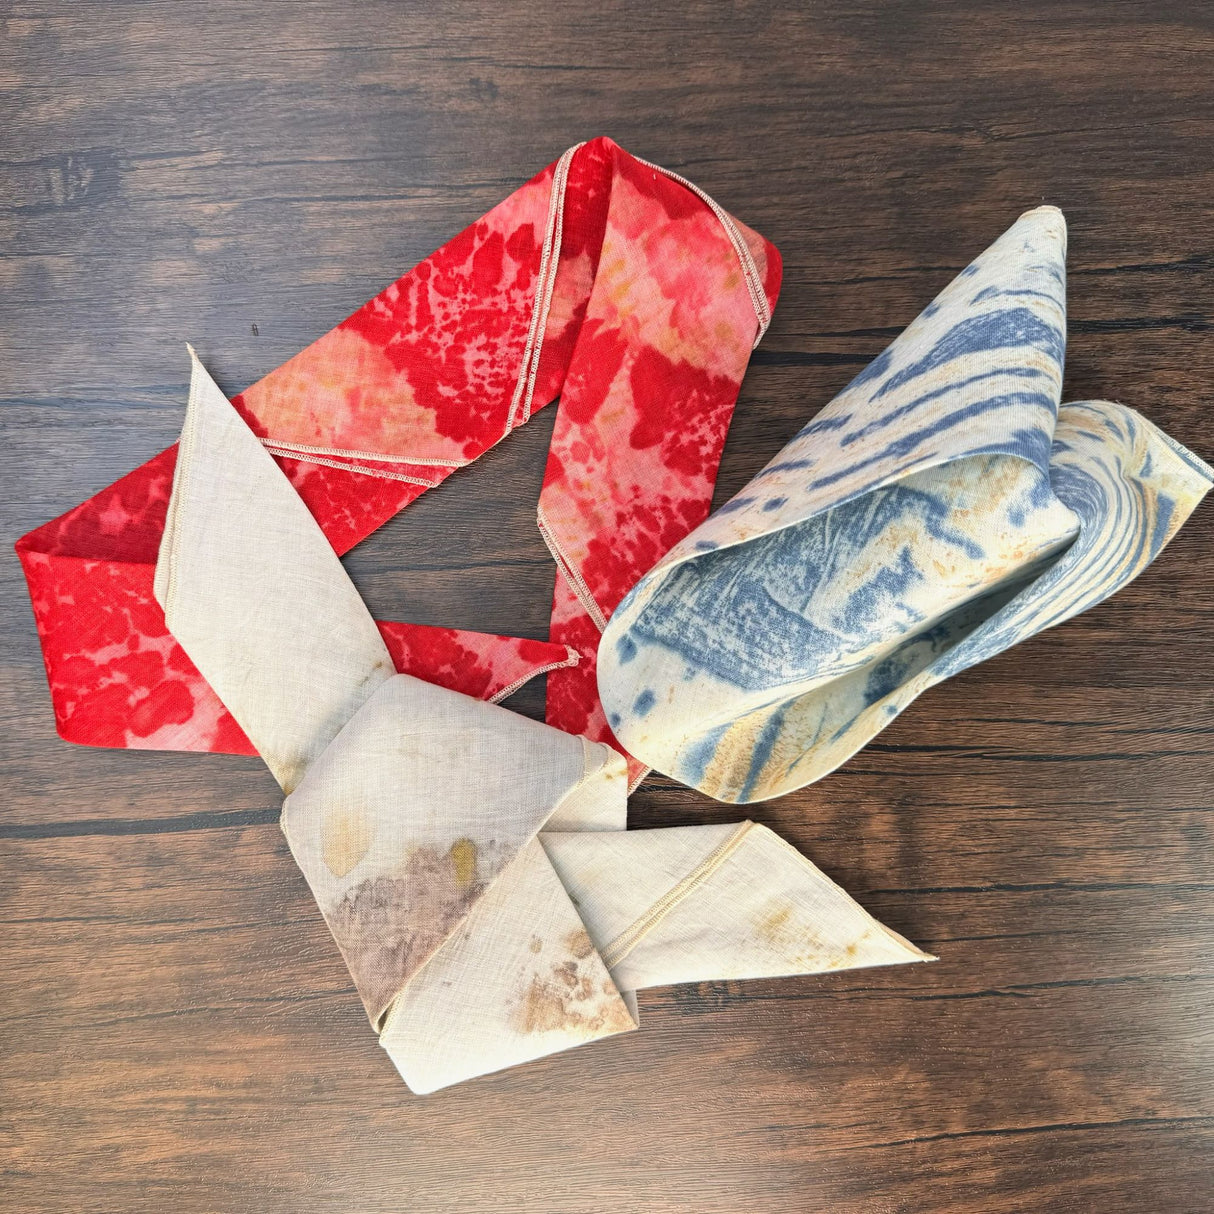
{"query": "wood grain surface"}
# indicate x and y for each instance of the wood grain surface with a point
(177, 1030)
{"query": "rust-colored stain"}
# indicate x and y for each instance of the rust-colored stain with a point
(347, 834)
(388, 927)
(579, 943)
(735, 752)
(773, 926)
(780, 930)
(573, 998)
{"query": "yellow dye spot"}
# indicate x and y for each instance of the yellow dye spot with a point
(463, 860)
(347, 836)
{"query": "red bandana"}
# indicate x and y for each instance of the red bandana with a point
(604, 279)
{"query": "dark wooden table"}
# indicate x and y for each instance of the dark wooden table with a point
(178, 1031)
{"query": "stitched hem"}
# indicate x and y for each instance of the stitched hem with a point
(750, 271)
(381, 473)
(166, 588)
(592, 609)
(1192, 461)
(550, 257)
(628, 939)
(572, 659)
(378, 456)
(558, 226)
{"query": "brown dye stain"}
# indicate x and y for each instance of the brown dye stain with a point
(579, 943)
(773, 926)
(566, 973)
(567, 1001)
(388, 927)
(849, 955)
(382, 669)
(346, 837)
(779, 929)
(536, 944)
(732, 756)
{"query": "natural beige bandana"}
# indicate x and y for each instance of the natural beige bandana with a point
(472, 864)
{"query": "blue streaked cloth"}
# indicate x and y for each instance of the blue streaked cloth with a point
(940, 509)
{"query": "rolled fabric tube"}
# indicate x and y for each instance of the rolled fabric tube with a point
(940, 509)
(472, 864)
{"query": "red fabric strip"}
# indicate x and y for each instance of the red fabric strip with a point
(650, 318)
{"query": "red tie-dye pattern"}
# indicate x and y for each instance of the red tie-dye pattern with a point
(479, 664)
(646, 342)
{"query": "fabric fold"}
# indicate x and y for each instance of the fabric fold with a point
(472, 864)
(939, 510)
(415, 810)
(266, 610)
(708, 903)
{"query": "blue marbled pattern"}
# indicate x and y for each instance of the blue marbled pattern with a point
(939, 510)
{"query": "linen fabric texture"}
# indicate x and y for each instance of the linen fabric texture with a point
(942, 508)
(472, 864)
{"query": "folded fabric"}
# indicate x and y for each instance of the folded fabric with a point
(471, 864)
(940, 509)
(617, 285)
